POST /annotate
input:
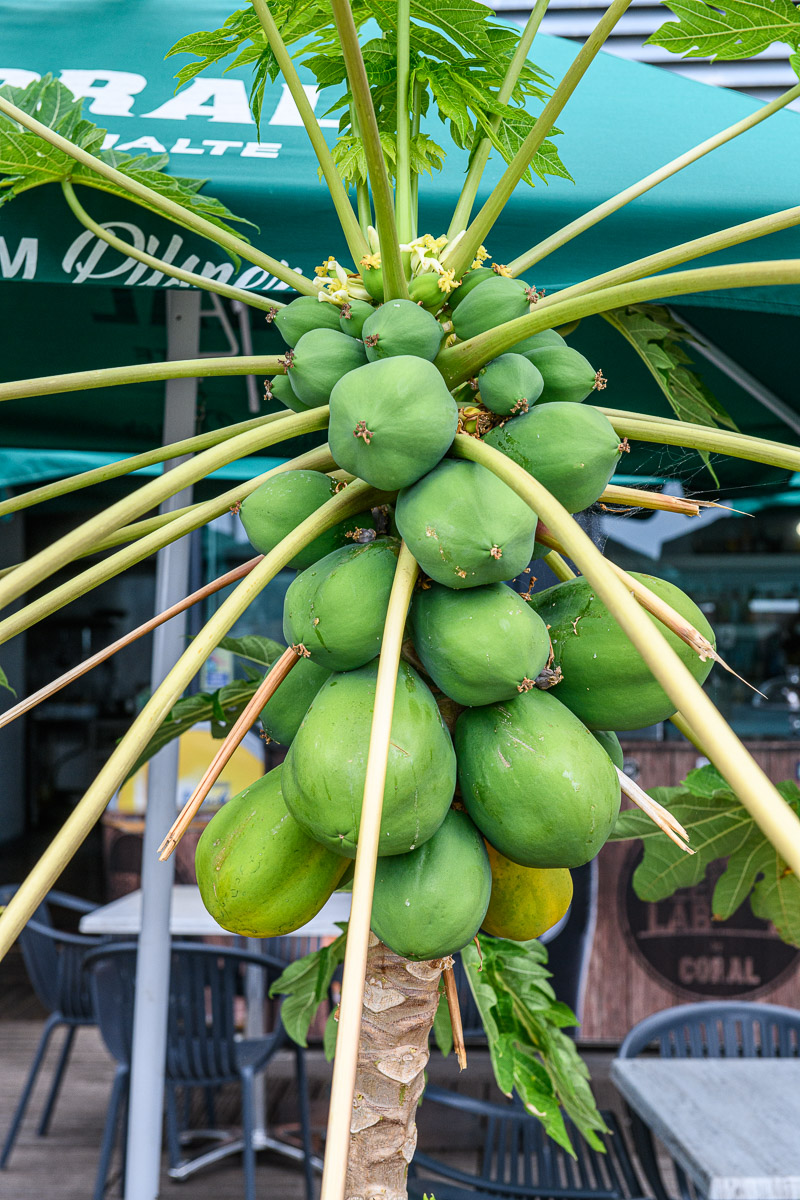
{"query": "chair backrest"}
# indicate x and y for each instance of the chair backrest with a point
(202, 1025)
(718, 1029)
(54, 958)
(519, 1159)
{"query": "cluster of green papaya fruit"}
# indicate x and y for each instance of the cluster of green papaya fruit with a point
(502, 774)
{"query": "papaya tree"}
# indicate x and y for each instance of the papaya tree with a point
(440, 724)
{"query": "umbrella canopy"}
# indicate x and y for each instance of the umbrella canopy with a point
(625, 120)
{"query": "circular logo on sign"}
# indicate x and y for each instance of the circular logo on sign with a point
(681, 945)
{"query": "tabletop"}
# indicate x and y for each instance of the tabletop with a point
(189, 917)
(732, 1124)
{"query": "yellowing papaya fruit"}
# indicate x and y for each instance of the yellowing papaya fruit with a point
(353, 316)
(337, 607)
(431, 902)
(510, 384)
(605, 680)
(464, 526)
(324, 772)
(278, 506)
(303, 314)
(525, 901)
(320, 359)
(401, 327)
(281, 715)
(259, 874)
(479, 645)
(535, 781)
(571, 449)
(391, 421)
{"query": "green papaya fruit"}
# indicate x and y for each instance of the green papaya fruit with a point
(464, 526)
(493, 302)
(353, 316)
(610, 743)
(391, 421)
(535, 781)
(510, 384)
(470, 280)
(278, 506)
(531, 346)
(281, 390)
(416, 909)
(571, 449)
(337, 607)
(281, 715)
(372, 279)
(303, 314)
(319, 361)
(400, 327)
(568, 376)
(324, 772)
(480, 645)
(259, 874)
(425, 290)
(605, 679)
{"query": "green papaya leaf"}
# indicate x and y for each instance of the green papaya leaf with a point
(253, 648)
(27, 161)
(524, 1023)
(442, 1026)
(305, 984)
(719, 827)
(5, 684)
(730, 29)
(221, 708)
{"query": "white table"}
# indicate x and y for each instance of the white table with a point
(190, 918)
(732, 1124)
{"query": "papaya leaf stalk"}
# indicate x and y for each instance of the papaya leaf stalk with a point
(191, 278)
(402, 195)
(66, 548)
(190, 519)
(394, 280)
(462, 362)
(674, 256)
(355, 961)
(125, 466)
(759, 796)
(88, 810)
(560, 238)
(644, 428)
(138, 191)
(127, 639)
(481, 226)
(356, 241)
(156, 372)
(482, 146)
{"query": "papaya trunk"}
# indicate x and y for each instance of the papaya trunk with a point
(400, 999)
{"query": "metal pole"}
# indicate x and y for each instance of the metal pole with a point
(152, 977)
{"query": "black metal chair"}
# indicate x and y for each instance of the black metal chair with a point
(519, 1160)
(203, 1047)
(54, 962)
(710, 1029)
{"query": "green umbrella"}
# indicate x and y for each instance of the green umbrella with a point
(625, 120)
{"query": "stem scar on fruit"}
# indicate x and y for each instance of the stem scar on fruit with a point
(600, 382)
(624, 447)
(361, 431)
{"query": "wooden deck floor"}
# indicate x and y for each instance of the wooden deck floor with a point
(63, 1165)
